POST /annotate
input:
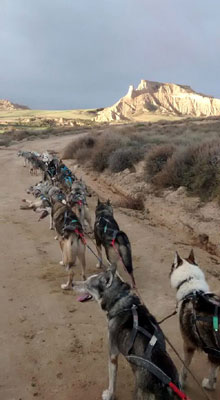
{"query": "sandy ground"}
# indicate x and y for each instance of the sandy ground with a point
(53, 347)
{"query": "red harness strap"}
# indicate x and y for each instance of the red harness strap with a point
(179, 393)
(81, 236)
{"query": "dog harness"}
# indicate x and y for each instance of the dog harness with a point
(208, 298)
(145, 361)
(73, 224)
(45, 199)
(137, 328)
(78, 198)
(107, 229)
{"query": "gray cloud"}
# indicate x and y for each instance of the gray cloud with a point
(67, 54)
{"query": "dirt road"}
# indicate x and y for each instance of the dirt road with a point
(52, 347)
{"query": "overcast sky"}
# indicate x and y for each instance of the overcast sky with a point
(63, 54)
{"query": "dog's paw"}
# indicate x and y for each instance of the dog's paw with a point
(107, 395)
(66, 286)
(206, 384)
(56, 237)
(51, 228)
(61, 263)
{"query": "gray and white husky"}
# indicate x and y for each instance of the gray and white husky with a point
(142, 346)
(77, 198)
(199, 312)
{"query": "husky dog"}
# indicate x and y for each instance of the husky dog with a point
(108, 234)
(25, 155)
(39, 188)
(134, 333)
(197, 307)
(28, 157)
(77, 198)
(41, 192)
(70, 236)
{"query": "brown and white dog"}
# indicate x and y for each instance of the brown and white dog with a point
(69, 231)
(196, 306)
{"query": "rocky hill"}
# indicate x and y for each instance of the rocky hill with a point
(162, 99)
(6, 105)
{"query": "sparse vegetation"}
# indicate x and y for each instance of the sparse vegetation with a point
(85, 143)
(182, 152)
(125, 157)
(157, 158)
(197, 168)
(178, 153)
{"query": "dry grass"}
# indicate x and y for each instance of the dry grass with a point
(197, 168)
(85, 143)
(178, 153)
(156, 159)
(133, 203)
(125, 157)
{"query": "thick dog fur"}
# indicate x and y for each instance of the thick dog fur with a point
(70, 243)
(105, 229)
(116, 299)
(77, 199)
(187, 277)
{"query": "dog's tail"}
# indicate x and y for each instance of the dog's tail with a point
(124, 249)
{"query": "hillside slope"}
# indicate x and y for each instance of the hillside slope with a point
(165, 99)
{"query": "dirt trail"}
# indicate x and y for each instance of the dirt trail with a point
(53, 347)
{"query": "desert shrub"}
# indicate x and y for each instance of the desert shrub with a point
(197, 168)
(106, 145)
(125, 157)
(133, 203)
(83, 155)
(5, 141)
(84, 142)
(156, 159)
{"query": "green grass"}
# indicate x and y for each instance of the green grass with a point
(68, 114)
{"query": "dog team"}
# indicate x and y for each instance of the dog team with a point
(132, 330)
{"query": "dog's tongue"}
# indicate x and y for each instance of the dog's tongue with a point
(84, 297)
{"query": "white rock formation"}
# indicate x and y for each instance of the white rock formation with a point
(160, 98)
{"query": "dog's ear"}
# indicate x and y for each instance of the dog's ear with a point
(108, 202)
(109, 276)
(177, 260)
(191, 257)
(99, 202)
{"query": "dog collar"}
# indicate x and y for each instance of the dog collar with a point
(183, 282)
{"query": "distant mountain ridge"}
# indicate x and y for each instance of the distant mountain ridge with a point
(6, 105)
(160, 98)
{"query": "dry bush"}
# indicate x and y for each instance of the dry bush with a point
(197, 168)
(156, 160)
(125, 157)
(5, 141)
(106, 145)
(83, 155)
(133, 203)
(85, 142)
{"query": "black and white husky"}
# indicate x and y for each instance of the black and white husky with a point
(199, 313)
(134, 333)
